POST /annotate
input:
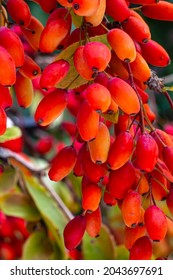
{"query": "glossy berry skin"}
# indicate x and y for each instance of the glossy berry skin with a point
(131, 208)
(97, 55)
(87, 122)
(63, 164)
(24, 91)
(120, 151)
(54, 73)
(47, 111)
(122, 44)
(19, 11)
(121, 180)
(12, 43)
(141, 249)
(5, 98)
(93, 222)
(65, 3)
(167, 154)
(155, 54)
(56, 29)
(91, 196)
(98, 97)
(99, 147)
(140, 68)
(132, 234)
(48, 6)
(7, 68)
(117, 5)
(137, 29)
(160, 11)
(124, 95)
(97, 17)
(146, 152)
(85, 7)
(74, 232)
(155, 222)
(81, 65)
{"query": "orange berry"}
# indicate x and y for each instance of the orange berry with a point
(93, 222)
(85, 7)
(91, 196)
(117, 9)
(124, 95)
(19, 11)
(160, 11)
(7, 68)
(122, 44)
(24, 91)
(30, 69)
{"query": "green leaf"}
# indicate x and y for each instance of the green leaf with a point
(11, 133)
(100, 248)
(7, 180)
(73, 79)
(122, 253)
(38, 247)
(19, 205)
(77, 20)
(111, 117)
(50, 211)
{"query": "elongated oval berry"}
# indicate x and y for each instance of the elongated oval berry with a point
(132, 234)
(121, 180)
(98, 97)
(120, 151)
(146, 152)
(122, 44)
(5, 97)
(33, 32)
(99, 147)
(155, 222)
(63, 163)
(74, 232)
(97, 55)
(165, 138)
(117, 9)
(19, 11)
(167, 154)
(85, 7)
(137, 29)
(130, 208)
(87, 122)
(24, 91)
(51, 107)
(94, 172)
(124, 95)
(53, 73)
(160, 11)
(140, 68)
(155, 54)
(80, 64)
(7, 68)
(12, 43)
(93, 222)
(91, 196)
(57, 27)
(141, 249)
(96, 18)
(3, 121)
(30, 68)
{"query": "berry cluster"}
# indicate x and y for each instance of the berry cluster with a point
(13, 234)
(120, 156)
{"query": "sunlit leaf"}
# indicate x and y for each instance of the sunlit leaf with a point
(11, 133)
(7, 180)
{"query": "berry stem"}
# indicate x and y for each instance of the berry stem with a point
(168, 98)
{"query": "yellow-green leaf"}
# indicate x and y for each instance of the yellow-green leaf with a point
(7, 180)
(19, 205)
(11, 133)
